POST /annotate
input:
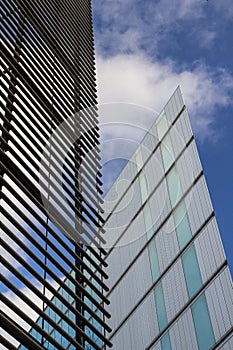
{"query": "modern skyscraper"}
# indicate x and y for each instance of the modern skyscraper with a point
(170, 286)
(50, 179)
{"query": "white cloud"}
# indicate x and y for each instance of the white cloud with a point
(134, 89)
(137, 80)
(128, 32)
(10, 259)
(129, 26)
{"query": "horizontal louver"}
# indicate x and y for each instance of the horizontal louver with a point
(53, 280)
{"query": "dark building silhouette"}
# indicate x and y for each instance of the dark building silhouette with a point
(50, 188)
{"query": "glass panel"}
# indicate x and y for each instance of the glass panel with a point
(148, 221)
(57, 336)
(49, 346)
(191, 271)
(160, 307)
(139, 158)
(143, 186)
(183, 230)
(202, 323)
(174, 186)
(165, 342)
(167, 152)
(35, 334)
(71, 315)
(154, 263)
(162, 125)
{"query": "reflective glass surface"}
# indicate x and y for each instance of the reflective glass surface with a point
(203, 327)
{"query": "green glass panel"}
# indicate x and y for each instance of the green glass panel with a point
(139, 159)
(148, 221)
(165, 342)
(160, 307)
(202, 323)
(191, 271)
(167, 152)
(174, 187)
(183, 229)
(154, 263)
(162, 126)
(143, 187)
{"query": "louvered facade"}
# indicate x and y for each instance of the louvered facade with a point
(53, 269)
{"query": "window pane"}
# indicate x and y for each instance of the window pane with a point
(162, 125)
(183, 230)
(154, 263)
(202, 323)
(191, 271)
(167, 152)
(143, 186)
(148, 221)
(165, 342)
(174, 186)
(160, 307)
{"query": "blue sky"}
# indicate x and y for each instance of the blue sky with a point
(145, 48)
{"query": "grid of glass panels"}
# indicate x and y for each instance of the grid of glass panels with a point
(170, 250)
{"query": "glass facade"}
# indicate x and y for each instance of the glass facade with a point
(169, 284)
(165, 292)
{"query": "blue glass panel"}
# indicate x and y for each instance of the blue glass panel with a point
(165, 342)
(36, 335)
(202, 323)
(183, 229)
(72, 332)
(154, 263)
(47, 327)
(64, 325)
(191, 271)
(71, 286)
(71, 316)
(39, 322)
(64, 342)
(174, 187)
(160, 307)
(96, 324)
(49, 346)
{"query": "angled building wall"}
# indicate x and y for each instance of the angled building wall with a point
(170, 286)
(50, 190)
